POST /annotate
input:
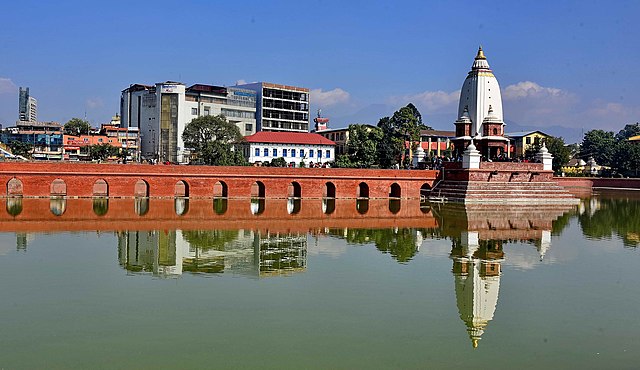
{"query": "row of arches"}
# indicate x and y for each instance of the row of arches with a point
(58, 187)
(58, 206)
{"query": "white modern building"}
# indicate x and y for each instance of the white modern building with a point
(162, 111)
(281, 107)
(294, 147)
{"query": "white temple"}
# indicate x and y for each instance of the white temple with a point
(480, 111)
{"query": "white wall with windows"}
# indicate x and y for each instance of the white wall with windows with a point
(292, 153)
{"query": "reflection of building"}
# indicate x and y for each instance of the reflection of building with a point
(478, 234)
(476, 268)
(243, 252)
(149, 252)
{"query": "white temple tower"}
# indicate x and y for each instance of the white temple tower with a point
(480, 111)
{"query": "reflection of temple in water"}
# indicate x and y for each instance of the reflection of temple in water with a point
(478, 235)
(476, 269)
(243, 252)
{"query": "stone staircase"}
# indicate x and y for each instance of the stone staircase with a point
(501, 192)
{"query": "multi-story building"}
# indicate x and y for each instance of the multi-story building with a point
(281, 107)
(46, 138)
(27, 106)
(521, 141)
(162, 111)
(294, 147)
(436, 142)
(76, 147)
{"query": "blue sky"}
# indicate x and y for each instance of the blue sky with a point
(559, 63)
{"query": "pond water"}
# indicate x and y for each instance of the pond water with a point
(318, 284)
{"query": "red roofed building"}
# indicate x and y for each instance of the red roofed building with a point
(294, 147)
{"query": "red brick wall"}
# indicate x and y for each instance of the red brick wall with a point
(79, 178)
(596, 182)
(500, 172)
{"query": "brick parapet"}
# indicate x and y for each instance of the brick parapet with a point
(79, 178)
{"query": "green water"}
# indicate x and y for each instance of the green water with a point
(566, 295)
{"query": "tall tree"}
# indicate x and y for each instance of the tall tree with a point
(21, 148)
(212, 139)
(559, 150)
(103, 151)
(632, 129)
(362, 147)
(77, 126)
(405, 125)
(391, 147)
(600, 145)
(626, 158)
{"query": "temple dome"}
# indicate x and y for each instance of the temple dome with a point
(479, 92)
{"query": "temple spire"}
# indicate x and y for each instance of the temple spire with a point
(480, 54)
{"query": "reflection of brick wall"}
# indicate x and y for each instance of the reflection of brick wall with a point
(79, 214)
(596, 182)
(121, 179)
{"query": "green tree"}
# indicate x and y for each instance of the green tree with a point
(600, 145)
(77, 126)
(405, 125)
(561, 153)
(279, 162)
(391, 147)
(343, 161)
(626, 158)
(21, 148)
(212, 139)
(362, 147)
(630, 130)
(101, 152)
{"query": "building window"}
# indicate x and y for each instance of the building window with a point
(207, 111)
(310, 153)
(301, 153)
(284, 152)
(293, 152)
(528, 140)
(248, 127)
(275, 152)
(266, 152)
(99, 140)
(257, 152)
(194, 111)
(328, 154)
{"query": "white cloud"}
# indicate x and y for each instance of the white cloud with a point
(329, 98)
(241, 82)
(605, 109)
(94, 103)
(430, 101)
(7, 86)
(531, 90)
